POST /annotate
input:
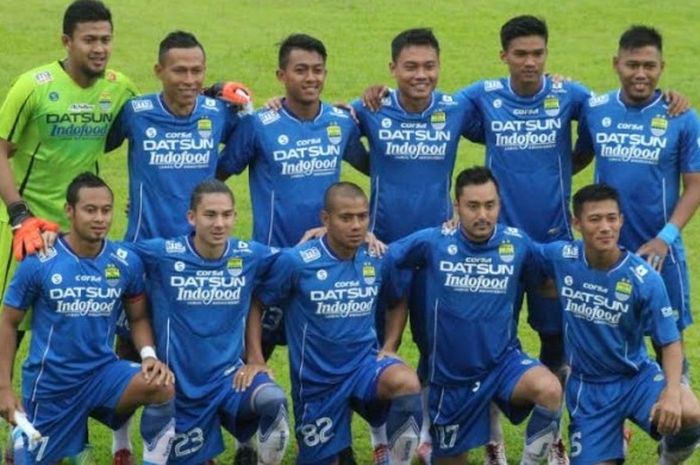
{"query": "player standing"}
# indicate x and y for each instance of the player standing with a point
(330, 287)
(413, 135)
(174, 138)
(53, 125)
(636, 144)
(71, 373)
(474, 274)
(200, 289)
(611, 296)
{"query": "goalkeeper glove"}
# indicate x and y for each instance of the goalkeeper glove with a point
(26, 230)
(235, 93)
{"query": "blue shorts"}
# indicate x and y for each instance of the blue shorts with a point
(598, 411)
(198, 435)
(62, 421)
(323, 422)
(675, 276)
(460, 415)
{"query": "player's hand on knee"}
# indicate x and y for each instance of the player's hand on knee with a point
(156, 372)
(677, 103)
(9, 403)
(373, 95)
(313, 233)
(666, 412)
(375, 246)
(386, 353)
(244, 375)
(655, 252)
(274, 103)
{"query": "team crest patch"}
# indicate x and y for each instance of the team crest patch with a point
(659, 124)
(506, 250)
(112, 274)
(234, 266)
(369, 273)
(310, 255)
(174, 247)
(43, 77)
(105, 101)
(334, 133)
(204, 128)
(438, 120)
(551, 105)
(623, 290)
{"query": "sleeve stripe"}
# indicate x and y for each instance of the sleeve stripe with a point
(29, 170)
(21, 109)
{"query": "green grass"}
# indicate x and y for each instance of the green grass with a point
(240, 39)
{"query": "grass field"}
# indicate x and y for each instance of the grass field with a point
(240, 39)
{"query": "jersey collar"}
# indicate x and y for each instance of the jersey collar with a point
(190, 245)
(471, 243)
(622, 259)
(64, 244)
(285, 109)
(658, 96)
(543, 89)
(165, 108)
(397, 104)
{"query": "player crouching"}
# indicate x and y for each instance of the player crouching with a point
(71, 372)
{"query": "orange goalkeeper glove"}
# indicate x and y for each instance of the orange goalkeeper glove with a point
(26, 230)
(235, 93)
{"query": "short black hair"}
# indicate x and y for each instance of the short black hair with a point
(417, 36)
(177, 39)
(85, 11)
(474, 176)
(341, 189)
(301, 41)
(523, 26)
(594, 193)
(209, 186)
(84, 180)
(640, 36)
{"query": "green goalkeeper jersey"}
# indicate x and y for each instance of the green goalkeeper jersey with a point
(59, 131)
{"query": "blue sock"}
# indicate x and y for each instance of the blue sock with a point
(157, 431)
(541, 431)
(270, 404)
(403, 424)
(676, 448)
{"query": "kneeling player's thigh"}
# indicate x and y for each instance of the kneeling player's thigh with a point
(645, 389)
(323, 425)
(237, 413)
(198, 426)
(63, 426)
(596, 419)
(522, 382)
(106, 392)
(371, 384)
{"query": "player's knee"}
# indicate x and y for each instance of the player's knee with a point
(159, 394)
(268, 400)
(399, 380)
(691, 410)
(548, 392)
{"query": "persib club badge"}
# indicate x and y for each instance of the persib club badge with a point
(204, 128)
(623, 290)
(334, 133)
(659, 124)
(551, 105)
(234, 266)
(506, 251)
(112, 274)
(438, 120)
(369, 273)
(105, 102)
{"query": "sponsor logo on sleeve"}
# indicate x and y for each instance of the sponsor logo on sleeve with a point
(141, 105)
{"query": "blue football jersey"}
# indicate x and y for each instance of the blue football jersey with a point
(642, 153)
(470, 294)
(200, 306)
(291, 163)
(75, 301)
(607, 313)
(411, 158)
(529, 150)
(329, 306)
(168, 156)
